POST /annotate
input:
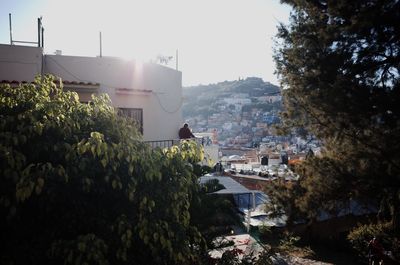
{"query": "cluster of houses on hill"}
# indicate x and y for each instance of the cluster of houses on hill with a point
(238, 120)
(242, 112)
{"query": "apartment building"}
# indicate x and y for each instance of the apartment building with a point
(147, 92)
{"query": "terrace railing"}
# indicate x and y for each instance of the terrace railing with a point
(171, 142)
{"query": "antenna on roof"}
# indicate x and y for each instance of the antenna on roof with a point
(39, 42)
(39, 25)
(9, 19)
(176, 60)
(42, 32)
(101, 46)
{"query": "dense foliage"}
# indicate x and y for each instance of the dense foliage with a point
(361, 236)
(339, 62)
(213, 214)
(78, 186)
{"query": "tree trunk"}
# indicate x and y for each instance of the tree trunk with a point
(396, 212)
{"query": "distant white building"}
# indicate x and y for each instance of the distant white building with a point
(211, 147)
(227, 126)
(271, 99)
(237, 101)
(244, 123)
(241, 95)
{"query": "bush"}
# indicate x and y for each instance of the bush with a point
(265, 232)
(360, 237)
(78, 186)
(289, 241)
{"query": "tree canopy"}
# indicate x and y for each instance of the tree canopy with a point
(213, 214)
(339, 64)
(79, 186)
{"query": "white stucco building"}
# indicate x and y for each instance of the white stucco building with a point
(148, 92)
(237, 101)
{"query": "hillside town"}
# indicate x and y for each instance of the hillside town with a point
(115, 160)
(244, 125)
(236, 118)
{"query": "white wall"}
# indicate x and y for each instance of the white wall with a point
(237, 101)
(20, 63)
(212, 153)
(165, 109)
(162, 114)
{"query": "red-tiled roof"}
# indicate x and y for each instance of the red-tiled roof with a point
(12, 82)
(66, 82)
(121, 90)
(132, 90)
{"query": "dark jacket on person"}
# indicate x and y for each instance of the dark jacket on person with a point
(185, 133)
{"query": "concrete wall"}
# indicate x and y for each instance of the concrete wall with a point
(165, 106)
(20, 63)
(162, 115)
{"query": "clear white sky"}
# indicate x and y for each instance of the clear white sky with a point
(217, 39)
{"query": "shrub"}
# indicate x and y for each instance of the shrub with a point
(360, 237)
(78, 186)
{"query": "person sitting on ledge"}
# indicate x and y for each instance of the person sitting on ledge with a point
(185, 133)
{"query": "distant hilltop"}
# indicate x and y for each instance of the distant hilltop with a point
(254, 86)
(205, 99)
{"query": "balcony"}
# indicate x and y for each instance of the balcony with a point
(172, 142)
(211, 151)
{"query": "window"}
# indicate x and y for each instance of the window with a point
(134, 114)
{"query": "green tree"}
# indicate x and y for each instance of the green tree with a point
(78, 186)
(362, 235)
(213, 214)
(339, 64)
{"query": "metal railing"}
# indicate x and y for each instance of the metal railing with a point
(171, 142)
(163, 143)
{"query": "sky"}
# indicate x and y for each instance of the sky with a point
(217, 40)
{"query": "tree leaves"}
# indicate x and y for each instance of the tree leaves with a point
(338, 62)
(80, 187)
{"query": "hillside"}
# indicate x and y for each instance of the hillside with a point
(242, 109)
(204, 96)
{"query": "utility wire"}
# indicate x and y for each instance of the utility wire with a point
(164, 109)
(156, 94)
